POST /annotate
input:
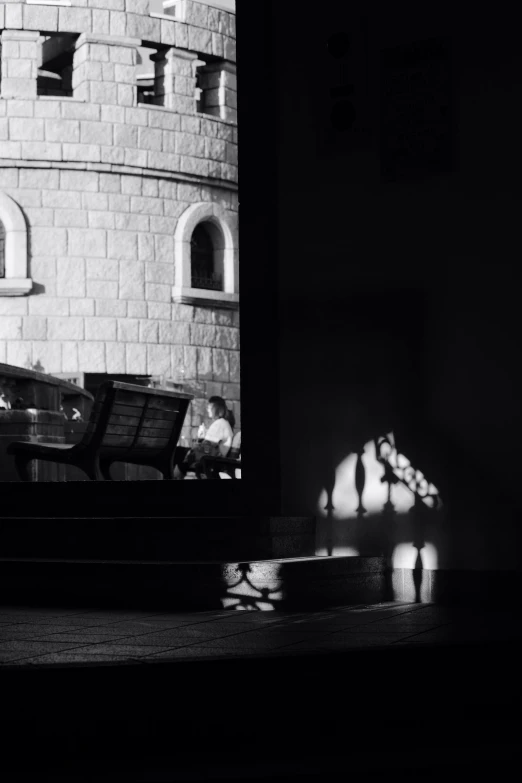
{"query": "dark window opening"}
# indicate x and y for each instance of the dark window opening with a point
(145, 89)
(151, 76)
(2, 250)
(167, 7)
(203, 271)
(55, 71)
(207, 89)
(200, 97)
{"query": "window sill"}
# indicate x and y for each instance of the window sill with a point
(167, 17)
(205, 298)
(15, 286)
(66, 3)
(155, 106)
(200, 114)
(204, 116)
(60, 98)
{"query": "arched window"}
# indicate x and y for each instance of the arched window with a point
(206, 256)
(204, 263)
(2, 249)
(14, 279)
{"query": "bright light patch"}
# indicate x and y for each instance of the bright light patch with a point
(402, 498)
(337, 551)
(237, 605)
(321, 505)
(345, 499)
(253, 586)
(405, 556)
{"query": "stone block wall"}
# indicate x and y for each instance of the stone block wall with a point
(144, 139)
(102, 183)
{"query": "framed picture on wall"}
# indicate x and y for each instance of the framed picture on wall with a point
(416, 110)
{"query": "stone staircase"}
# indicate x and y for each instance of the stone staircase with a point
(179, 563)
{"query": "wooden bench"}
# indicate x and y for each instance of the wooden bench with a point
(213, 466)
(128, 423)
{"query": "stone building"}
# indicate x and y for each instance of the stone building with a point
(118, 193)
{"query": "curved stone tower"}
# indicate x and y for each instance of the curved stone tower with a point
(118, 192)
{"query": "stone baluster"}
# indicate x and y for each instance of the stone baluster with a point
(219, 84)
(104, 70)
(19, 64)
(175, 80)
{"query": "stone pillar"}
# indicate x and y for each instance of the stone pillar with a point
(104, 70)
(219, 84)
(19, 64)
(175, 80)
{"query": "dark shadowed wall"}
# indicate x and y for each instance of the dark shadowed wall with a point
(399, 301)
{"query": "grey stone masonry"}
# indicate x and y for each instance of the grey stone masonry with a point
(204, 30)
(175, 80)
(104, 70)
(103, 192)
(19, 64)
(219, 84)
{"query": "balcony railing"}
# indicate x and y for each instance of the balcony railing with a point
(210, 283)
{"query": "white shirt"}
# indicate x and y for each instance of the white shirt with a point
(220, 432)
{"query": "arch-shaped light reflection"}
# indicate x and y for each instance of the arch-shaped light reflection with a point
(405, 555)
(345, 500)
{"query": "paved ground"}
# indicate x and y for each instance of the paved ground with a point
(54, 637)
(367, 690)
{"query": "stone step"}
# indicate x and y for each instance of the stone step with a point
(283, 583)
(126, 498)
(158, 538)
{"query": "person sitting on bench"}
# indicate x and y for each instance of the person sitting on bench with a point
(214, 440)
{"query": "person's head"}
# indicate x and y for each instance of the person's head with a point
(217, 408)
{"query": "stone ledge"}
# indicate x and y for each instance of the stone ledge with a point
(108, 40)
(13, 286)
(167, 17)
(203, 116)
(158, 28)
(201, 297)
(19, 35)
(66, 3)
(155, 107)
(68, 98)
(114, 168)
(229, 540)
(287, 583)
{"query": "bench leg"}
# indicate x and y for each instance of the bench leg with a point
(22, 466)
(167, 470)
(93, 469)
(105, 468)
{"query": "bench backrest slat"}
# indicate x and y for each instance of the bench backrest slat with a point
(128, 417)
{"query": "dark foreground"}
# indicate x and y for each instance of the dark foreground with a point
(394, 689)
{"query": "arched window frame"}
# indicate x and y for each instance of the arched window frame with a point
(16, 281)
(226, 222)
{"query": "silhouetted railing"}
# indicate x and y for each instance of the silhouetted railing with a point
(397, 469)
